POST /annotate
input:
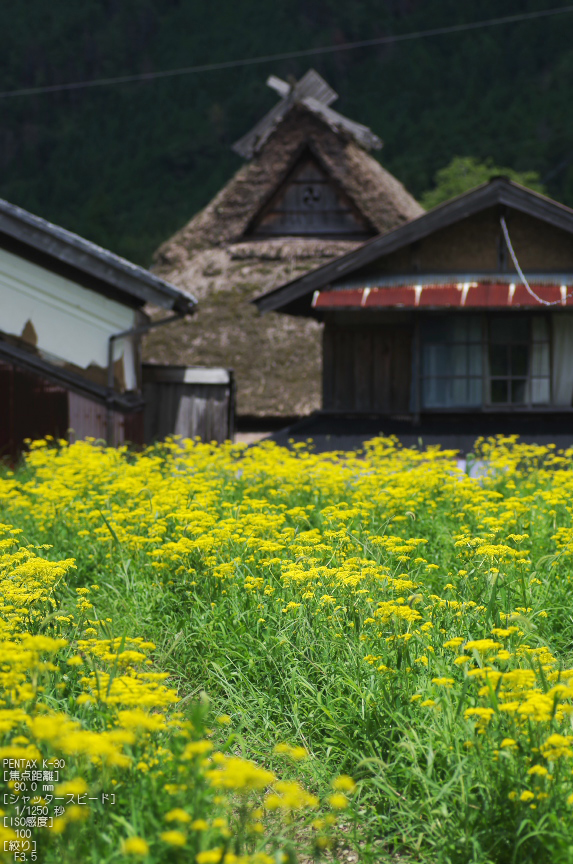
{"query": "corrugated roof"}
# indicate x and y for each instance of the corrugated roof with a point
(458, 295)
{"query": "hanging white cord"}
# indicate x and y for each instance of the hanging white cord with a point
(518, 268)
(521, 274)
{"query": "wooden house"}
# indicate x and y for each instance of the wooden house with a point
(309, 191)
(71, 320)
(457, 324)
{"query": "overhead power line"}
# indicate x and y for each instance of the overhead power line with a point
(287, 55)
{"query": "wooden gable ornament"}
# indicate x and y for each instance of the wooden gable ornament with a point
(310, 202)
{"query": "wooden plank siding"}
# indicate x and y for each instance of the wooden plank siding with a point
(367, 369)
(89, 419)
(189, 410)
(189, 402)
(33, 407)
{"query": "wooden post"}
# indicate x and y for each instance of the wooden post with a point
(417, 372)
(231, 406)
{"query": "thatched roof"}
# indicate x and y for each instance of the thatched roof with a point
(218, 257)
(377, 195)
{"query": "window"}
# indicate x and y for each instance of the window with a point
(478, 360)
(452, 361)
(518, 359)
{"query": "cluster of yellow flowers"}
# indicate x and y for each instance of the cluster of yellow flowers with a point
(91, 704)
(443, 583)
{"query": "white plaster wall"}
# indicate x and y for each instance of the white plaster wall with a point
(71, 322)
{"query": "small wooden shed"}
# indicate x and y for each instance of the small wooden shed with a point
(459, 323)
(188, 401)
(71, 321)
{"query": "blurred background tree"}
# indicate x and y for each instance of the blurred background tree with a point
(466, 172)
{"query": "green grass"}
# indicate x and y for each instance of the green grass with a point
(311, 599)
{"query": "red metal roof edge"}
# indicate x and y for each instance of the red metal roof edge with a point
(461, 295)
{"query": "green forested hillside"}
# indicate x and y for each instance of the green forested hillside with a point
(127, 165)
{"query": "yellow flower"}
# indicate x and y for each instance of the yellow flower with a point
(77, 786)
(443, 682)
(343, 783)
(454, 643)
(199, 825)
(140, 720)
(483, 645)
(211, 856)
(526, 796)
(338, 801)
(135, 846)
(289, 795)
(539, 770)
(297, 754)
(173, 838)
(196, 748)
(174, 788)
(219, 823)
(232, 772)
(484, 715)
(177, 815)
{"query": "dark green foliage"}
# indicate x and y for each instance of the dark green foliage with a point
(127, 165)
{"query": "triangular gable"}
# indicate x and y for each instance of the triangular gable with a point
(309, 202)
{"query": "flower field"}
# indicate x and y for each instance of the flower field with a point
(261, 655)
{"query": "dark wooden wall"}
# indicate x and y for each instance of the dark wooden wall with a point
(89, 419)
(367, 369)
(31, 407)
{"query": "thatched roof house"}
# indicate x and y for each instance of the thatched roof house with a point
(309, 192)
